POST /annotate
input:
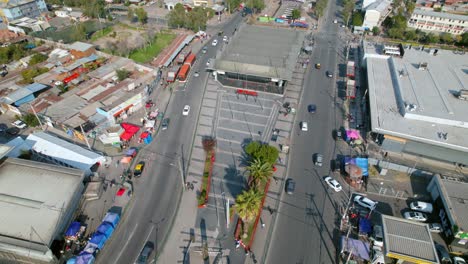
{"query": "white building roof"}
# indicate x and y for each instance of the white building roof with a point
(379, 6)
(64, 151)
(32, 198)
(440, 14)
(416, 104)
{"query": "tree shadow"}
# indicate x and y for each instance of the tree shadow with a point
(233, 174)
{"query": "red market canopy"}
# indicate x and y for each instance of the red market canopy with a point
(144, 134)
(121, 191)
(130, 131)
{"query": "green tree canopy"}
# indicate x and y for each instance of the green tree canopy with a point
(93, 8)
(376, 31)
(37, 58)
(447, 38)
(260, 171)
(177, 16)
(295, 14)
(410, 35)
(122, 74)
(320, 7)
(347, 11)
(255, 5)
(430, 38)
(265, 153)
(142, 16)
(30, 120)
(357, 19)
(247, 204)
(463, 39)
(29, 74)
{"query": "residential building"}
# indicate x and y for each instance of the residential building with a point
(451, 196)
(413, 96)
(16, 9)
(38, 201)
(259, 58)
(438, 22)
(376, 13)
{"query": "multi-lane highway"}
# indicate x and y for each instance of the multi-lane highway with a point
(306, 226)
(157, 192)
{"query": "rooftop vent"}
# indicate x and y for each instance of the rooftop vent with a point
(422, 66)
(442, 135)
(410, 107)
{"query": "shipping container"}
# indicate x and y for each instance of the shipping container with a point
(351, 89)
(184, 70)
(190, 59)
(350, 69)
(182, 56)
(172, 73)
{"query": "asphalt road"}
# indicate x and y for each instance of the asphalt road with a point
(157, 191)
(306, 228)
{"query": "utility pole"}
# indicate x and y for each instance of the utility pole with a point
(85, 138)
(228, 217)
(35, 114)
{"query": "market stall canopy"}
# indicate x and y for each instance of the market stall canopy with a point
(126, 160)
(112, 218)
(352, 134)
(73, 229)
(130, 131)
(360, 249)
(353, 170)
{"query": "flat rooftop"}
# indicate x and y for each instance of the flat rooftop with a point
(419, 103)
(34, 195)
(408, 240)
(262, 51)
(456, 192)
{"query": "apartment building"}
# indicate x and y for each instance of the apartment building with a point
(16, 9)
(438, 22)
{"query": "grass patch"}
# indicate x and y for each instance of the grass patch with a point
(147, 53)
(249, 227)
(373, 171)
(101, 33)
(205, 178)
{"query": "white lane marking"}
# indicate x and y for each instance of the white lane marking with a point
(146, 240)
(126, 243)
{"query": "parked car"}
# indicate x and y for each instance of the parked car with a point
(165, 124)
(335, 21)
(145, 253)
(19, 124)
(225, 38)
(139, 169)
(329, 74)
(458, 260)
(365, 202)
(377, 235)
(13, 131)
(204, 49)
(435, 227)
(421, 207)
(186, 110)
(304, 126)
(317, 66)
(443, 254)
(318, 159)
(415, 216)
(290, 186)
(338, 134)
(3, 127)
(208, 62)
(214, 43)
(312, 108)
(196, 74)
(334, 184)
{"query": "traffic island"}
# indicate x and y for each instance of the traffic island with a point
(208, 145)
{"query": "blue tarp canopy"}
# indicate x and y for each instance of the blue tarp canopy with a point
(364, 165)
(106, 229)
(84, 258)
(359, 248)
(112, 218)
(73, 229)
(148, 139)
(99, 240)
(365, 225)
(72, 260)
(90, 248)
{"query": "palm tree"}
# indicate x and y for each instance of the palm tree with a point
(260, 171)
(247, 204)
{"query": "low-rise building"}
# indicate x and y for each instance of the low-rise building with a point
(438, 22)
(376, 13)
(38, 201)
(16, 9)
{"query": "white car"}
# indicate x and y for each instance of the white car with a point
(365, 202)
(225, 38)
(196, 74)
(335, 21)
(421, 207)
(416, 216)
(304, 126)
(214, 43)
(458, 260)
(334, 184)
(186, 110)
(204, 49)
(19, 124)
(435, 227)
(208, 62)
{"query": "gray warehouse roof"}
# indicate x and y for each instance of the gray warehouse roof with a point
(408, 240)
(262, 51)
(418, 103)
(35, 195)
(457, 194)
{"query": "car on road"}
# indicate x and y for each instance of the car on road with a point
(365, 202)
(204, 49)
(329, 74)
(415, 216)
(3, 127)
(318, 159)
(225, 38)
(214, 43)
(290, 186)
(343, 25)
(458, 260)
(165, 123)
(443, 254)
(335, 21)
(145, 253)
(139, 169)
(334, 184)
(186, 110)
(312, 108)
(317, 66)
(304, 126)
(19, 124)
(421, 207)
(13, 131)
(435, 227)
(208, 62)
(196, 74)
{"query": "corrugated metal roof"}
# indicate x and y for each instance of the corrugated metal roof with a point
(408, 239)
(440, 14)
(80, 46)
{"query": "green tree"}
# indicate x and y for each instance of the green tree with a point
(376, 31)
(348, 7)
(395, 33)
(122, 74)
(177, 16)
(247, 204)
(320, 7)
(37, 58)
(142, 16)
(295, 14)
(232, 4)
(260, 171)
(357, 19)
(30, 120)
(196, 19)
(255, 5)
(80, 32)
(29, 74)
(446, 38)
(430, 38)
(265, 153)
(463, 39)
(93, 8)
(410, 6)
(410, 35)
